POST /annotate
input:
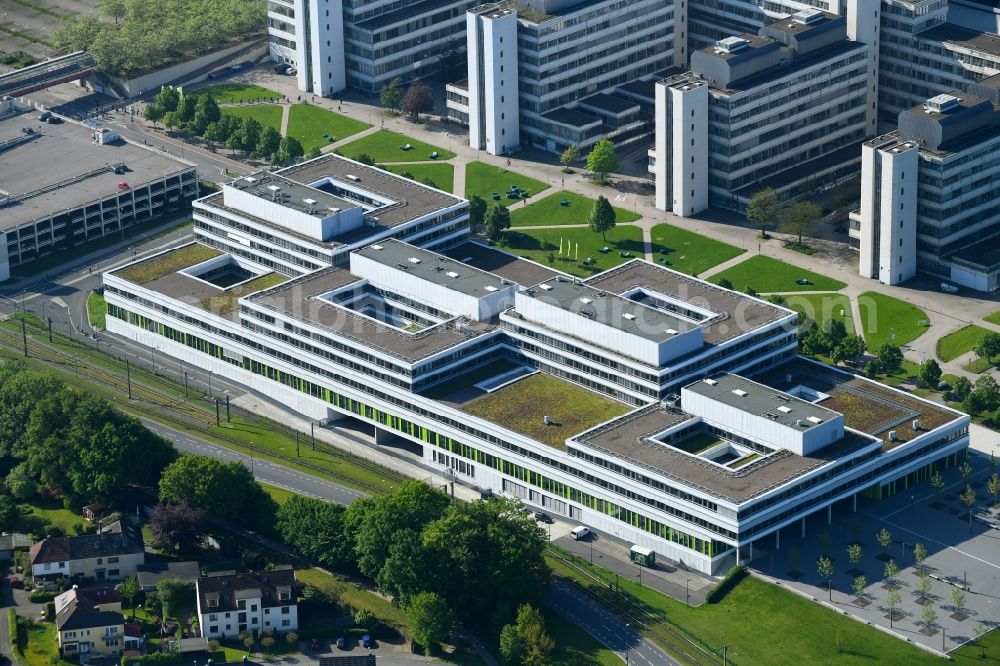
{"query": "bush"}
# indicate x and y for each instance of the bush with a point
(50, 611)
(154, 659)
(42, 596)
(729, 581)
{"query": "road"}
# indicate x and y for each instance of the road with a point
(264, 471)
(627, 643)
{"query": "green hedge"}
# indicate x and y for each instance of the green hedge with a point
(19, 635)
(154, 659)
(728, 582)
(42, 596)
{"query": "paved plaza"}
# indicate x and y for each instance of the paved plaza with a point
(958, 557)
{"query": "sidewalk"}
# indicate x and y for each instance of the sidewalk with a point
(356, 443)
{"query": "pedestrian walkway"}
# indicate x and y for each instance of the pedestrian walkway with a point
(356, 443)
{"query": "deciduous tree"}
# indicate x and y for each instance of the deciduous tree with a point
(497, 221)
(315, 528)
(602, 217)
(477, 210)
(763, 208)
(177, 528)
(226, 490)
(569, 157)
(798, 218)
(129, 588)
(930, 373)
(391, 94)
(968, 498)
(430, 620)
(153, 113)
(602, 159)
(824, 566)
(890, 358)
(417, 100)
(988, 346)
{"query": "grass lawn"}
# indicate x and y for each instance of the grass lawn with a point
(887, 319)
(979, 365)
(821, 308)
(521, 406)
(539, 244)
(484, 180)
(688, 252)
(768, 275)
(234, 93)
(42, 649)
(960, 342)
(550, 211)
(97, 310)
(51, 512)
(574, 646)
(279, 495)
(442, 175)
(309, 123)
(787, 630)
(353, 595)
(993, 318)
(268, 115)
(385, 146)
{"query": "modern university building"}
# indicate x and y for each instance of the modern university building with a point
(642, 402)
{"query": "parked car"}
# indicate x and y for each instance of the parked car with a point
(15, 582)
(291, 71)
(44, 116)
(341, 643)
(366, 641)
(281, 67)
(543, 517)
(315, 645)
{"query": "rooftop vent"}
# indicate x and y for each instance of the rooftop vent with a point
(376, 247)
(548, 420)
(628, 315)
(800, 423)
(784, 409)
(710, 382)
(452, 274)
(916, 425)
(274, 188)
(414, 260)
(546, 287)
(892, 436)
(671, 331)
(351, 176)
(731, 45)
(808, 16)
(584, 299)
(740, 392)
(941, 103)
(815, 419)
(490, 287)
(251, 179)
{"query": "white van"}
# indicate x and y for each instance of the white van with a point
(579, 533)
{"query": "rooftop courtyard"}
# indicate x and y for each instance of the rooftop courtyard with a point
(522, 406)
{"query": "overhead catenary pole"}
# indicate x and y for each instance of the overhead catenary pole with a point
(128, 378)
(24, 337)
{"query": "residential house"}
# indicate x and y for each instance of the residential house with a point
(112, 554)
(86, 630)
(97, 598)
(9, 542)
(229, 604)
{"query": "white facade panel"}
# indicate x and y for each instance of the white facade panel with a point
(326, 45)
(319, 228)
(662, 167)
(689, 157)
(606, 334)
(888, 226)
(494, 111)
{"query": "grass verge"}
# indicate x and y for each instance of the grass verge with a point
(768, 275)
(574, 646)
(885, 319)
(309, 123)
(960, 342)
(561, 208)
(578, 245)
(385, 146)
(688, 252)
(787, 630)
(484, 179)
(97, 310)
(354, 595)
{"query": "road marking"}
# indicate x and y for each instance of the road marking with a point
(940, 543)
(60, 302)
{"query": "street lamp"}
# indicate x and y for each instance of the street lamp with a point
(687, 591)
